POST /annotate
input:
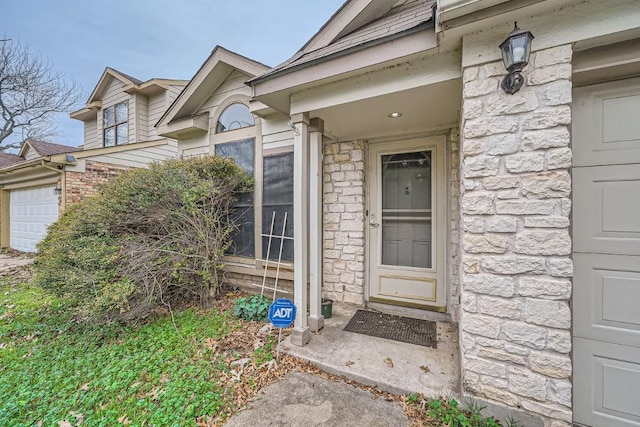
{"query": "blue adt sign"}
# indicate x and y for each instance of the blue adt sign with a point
(282, 313)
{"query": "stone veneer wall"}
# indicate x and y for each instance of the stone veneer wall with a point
(82, 184)
(454, 232)
(344, 221)
(516, 247)
(247, 283)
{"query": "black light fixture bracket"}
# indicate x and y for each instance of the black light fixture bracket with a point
(512, 82)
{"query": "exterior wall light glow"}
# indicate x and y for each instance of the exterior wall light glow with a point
(515, 55)
(394, 115)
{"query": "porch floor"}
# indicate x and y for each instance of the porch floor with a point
(365, 359)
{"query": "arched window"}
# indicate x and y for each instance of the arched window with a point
(235, 116)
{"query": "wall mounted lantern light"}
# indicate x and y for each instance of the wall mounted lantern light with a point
(515, 55)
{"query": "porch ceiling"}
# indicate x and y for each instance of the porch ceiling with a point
(432, 107)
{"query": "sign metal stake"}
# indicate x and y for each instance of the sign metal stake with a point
(282, 313)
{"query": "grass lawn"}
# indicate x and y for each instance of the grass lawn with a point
(55, 371)
(192, 368)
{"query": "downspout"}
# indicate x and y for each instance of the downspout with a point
(63, 183)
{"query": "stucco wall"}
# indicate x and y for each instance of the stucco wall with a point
(515, 242)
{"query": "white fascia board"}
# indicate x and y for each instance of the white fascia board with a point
(350, 62)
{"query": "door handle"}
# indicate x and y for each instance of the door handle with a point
(374, 224)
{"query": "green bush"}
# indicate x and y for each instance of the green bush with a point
(152, 237)
(254, 307)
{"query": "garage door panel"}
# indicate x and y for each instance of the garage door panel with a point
(607, 209)
(608, 384)
(606, 254)
(605, 123)
(606, 296)
(31, 211)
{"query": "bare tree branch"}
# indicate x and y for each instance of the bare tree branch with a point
(31, 93)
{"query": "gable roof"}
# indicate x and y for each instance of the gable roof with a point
(44, 148)
(7, 159)
(131, 85)
(215, 69)
(109, 74)
(398, 17)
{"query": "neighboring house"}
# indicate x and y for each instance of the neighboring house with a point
(43, 178)
(419, 182)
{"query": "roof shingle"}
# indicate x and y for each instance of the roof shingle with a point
(7, 159)
(398, 20)
(45, 148)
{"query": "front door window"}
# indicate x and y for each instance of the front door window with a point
(406, 209)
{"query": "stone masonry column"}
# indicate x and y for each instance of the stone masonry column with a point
(344, 221)
(515, 242)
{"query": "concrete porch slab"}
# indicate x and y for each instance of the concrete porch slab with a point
(393, 366)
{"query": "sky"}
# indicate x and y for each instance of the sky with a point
(156, 38)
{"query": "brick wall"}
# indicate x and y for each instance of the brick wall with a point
(82, 184)
(343, 220)
(516, 247)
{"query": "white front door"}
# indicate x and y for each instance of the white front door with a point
(606, 254)
(406, 223)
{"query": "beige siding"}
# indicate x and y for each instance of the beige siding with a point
(194, 147)
(141, 157)
(142, 106)
(172, 94)
(91, 139)
(233, 85)
(113, 95)
(276, 133)
(31, 154)
(157, 106)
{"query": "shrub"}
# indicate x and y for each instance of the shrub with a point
(151, 237)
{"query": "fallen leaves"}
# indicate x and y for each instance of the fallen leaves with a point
(124, 420)
(349, 362)
(425, 369)
(389, 362)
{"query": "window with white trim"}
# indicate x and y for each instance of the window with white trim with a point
(277, 197)
(274, 178)
(115, 129)
(243, 152)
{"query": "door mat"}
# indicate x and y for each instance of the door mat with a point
(396, 328)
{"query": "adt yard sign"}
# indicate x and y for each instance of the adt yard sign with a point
(282, 313)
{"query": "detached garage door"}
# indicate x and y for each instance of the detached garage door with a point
(30, 212)
(606, 221)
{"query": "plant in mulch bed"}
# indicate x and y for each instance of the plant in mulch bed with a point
(254, 307)
(448, 412)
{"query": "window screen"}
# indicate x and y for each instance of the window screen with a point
(243, 153)
(277, 196)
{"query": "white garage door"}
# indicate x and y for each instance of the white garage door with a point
(606, 221)
(30, 212)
